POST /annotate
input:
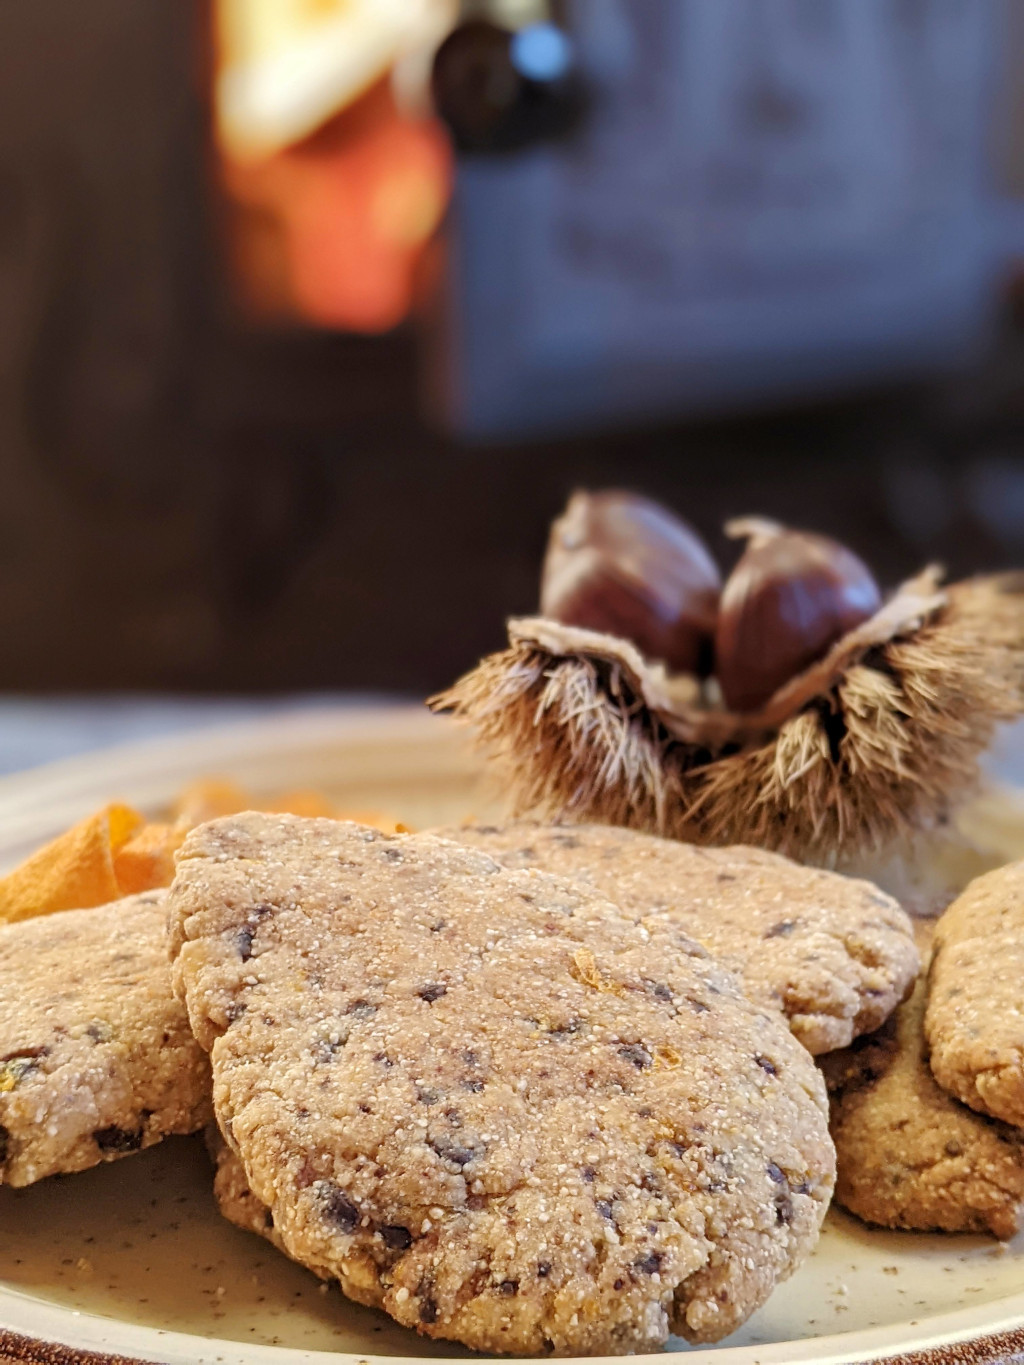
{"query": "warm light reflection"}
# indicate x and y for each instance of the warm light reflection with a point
(336, 188)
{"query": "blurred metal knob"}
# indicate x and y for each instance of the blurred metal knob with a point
(499, 91)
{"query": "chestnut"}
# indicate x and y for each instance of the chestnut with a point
(789, 599)
(623, 564)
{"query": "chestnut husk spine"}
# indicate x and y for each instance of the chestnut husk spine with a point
(877, 742)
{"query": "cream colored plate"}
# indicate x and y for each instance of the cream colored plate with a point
(132, 1259)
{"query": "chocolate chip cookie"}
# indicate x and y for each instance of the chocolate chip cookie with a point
(975, 1018)
(909, 1155)
(487, 1101)
(835, 954)
(96, 1056)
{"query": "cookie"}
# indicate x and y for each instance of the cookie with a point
(487, 1101)
(975, 1018)
(836, 955)
(96, 1056)
(908, 1154)
(234, 1198)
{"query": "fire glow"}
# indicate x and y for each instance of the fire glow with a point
(336, 173)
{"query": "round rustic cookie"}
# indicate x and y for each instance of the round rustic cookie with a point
(234, 1198)
(974, 1023)
(908, 1154)
(487, 1101)
(96, 1056)
(835, 954)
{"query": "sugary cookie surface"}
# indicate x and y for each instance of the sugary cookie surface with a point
(909, 1154)
(488, 1101)
(975, 1018)
(835, 954)
(96, 1056)
(235, 1199)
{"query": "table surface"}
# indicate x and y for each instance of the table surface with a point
(36, 730)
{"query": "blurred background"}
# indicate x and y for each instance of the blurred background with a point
(313, 312)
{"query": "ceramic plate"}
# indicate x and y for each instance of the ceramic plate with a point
(130, 1261)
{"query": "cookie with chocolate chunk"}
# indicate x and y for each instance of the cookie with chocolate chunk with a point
(975, 1017)
(96, 1056)
(835, 954)
(908, 1154)
(487, 1101)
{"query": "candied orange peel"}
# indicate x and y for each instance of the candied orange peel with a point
(115, 852)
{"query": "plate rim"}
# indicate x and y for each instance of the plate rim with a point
(949, 1339)
(39, 802)
(978, 1335)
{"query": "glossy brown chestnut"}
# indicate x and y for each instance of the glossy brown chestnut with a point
(625, 565)
(789, 599)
